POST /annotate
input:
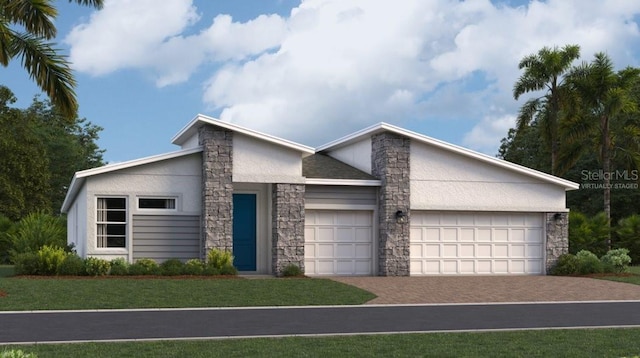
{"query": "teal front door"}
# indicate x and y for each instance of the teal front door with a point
(244, 232)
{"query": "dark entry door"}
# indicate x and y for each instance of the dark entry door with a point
(244, 232)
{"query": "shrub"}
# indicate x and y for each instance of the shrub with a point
(144, 267)
(119, 267)
(96, 267)
(194, 267)
(17, 354)
(219, 259)
(172, 267)
(292, 270)
(37, 230)
(6, 227)
(588, 233)
(588, 263)
(616, 260)
(628, 232)
(228, 269)
(26, 263)
(567, 265)
(49, 259)
(73, 265)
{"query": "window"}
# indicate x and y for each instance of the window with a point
(112, 222)
(157, 203)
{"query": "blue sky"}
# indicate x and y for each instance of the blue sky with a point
(312, 71)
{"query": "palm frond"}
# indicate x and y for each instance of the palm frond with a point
(49, 70)
(36, 16)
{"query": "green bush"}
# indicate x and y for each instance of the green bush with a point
(73, 265)
(96, 267)
(616, 260)
(228, 269)
(588, 233)
(6, 227)
(588, 263)
(119, 267)
(628, 234)
(172, 267)
(219, 259)
(26, 263)
(49, 259)
(17, 353)
(292, 270)
(567, 265)
(194, 267)
(37, 230)
(144, 267)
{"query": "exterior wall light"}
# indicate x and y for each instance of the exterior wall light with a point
(557, 216)
(401, 216)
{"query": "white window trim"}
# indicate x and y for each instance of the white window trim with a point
(176, 200)
(126, 223)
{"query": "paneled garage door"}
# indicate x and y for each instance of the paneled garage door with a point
(476, 243)
(338, 242)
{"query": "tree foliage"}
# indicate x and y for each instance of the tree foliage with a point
(42, 149)
(26, 30)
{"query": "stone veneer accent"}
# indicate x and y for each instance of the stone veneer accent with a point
(557, 237)
(287, 226)
(217, 189)
(390, 163)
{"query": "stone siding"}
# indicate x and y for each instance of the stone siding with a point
(390, 163)
(217, 189)
(287, 226)
(557, 237)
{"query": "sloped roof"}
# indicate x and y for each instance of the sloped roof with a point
(385, 127)
(79, 177)
(200, 120)
(320, 166)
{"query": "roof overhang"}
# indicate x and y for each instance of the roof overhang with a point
(80, 177)
(200, 120)
(385, 127)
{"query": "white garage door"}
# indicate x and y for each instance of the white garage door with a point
(338, 242)
(476, 243)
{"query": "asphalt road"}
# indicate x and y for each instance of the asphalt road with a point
(30, 327)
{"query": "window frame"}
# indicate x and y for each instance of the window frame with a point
(157, 210)
(102, 220)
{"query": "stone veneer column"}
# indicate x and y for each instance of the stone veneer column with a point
(287, 226)
(217, 189)
(557, 237)
(390, 163)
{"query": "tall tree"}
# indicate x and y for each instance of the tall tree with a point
(544, 71)
(45, 65)
(598, 119)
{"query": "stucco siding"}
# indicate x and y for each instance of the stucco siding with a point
(178, 178)
(258, 161)
(357, 155)
(327, 195)
(441, 180)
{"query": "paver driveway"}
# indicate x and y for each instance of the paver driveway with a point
(477, 289)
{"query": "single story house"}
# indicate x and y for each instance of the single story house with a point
(381, 201)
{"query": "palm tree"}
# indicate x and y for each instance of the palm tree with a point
(598, 119)
(45, 66)
(544, 71)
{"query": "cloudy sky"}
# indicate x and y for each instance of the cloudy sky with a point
(314, 70)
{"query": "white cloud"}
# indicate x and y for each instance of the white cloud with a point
(342, 64)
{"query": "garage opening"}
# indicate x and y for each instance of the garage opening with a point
(451, 243)
(338, 242)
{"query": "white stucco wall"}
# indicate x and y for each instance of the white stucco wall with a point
(441, 180)
(357, 155)
(178, 177)
(191, 142)
(258, 161)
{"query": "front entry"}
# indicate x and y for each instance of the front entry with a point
(244, 232)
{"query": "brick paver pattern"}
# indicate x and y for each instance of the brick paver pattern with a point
(481, 289)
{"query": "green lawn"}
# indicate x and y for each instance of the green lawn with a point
(536, 343)
(50, 293)
(6, 270)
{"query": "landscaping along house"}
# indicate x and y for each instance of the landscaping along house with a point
(381, 201)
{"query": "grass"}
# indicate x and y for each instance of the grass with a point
(50, 293)
(536, 343)
(6, 270)
(632, 276)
